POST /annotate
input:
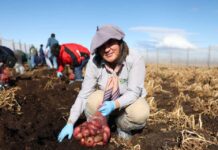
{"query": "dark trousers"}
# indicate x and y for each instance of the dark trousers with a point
(78, 69)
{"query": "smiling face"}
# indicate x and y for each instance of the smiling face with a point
(110, 51)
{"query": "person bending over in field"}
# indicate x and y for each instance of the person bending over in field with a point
(74, 55)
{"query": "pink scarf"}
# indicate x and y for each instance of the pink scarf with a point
(112, 91)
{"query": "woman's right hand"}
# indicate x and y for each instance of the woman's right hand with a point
(66, 131)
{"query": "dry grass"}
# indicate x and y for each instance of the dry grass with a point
(50, 84)
(198, 87)
(8, 101)
(194, 141)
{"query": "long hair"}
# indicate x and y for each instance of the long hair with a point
(124, 52)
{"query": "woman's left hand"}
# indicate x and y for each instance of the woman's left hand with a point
(107, 108)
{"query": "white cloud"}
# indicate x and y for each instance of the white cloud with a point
(158, 30)
(175, 41)
(167, 37)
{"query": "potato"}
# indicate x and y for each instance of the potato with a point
(92, 126)
(98, 138)
(89, 141)
(92, 132)
(94, 144)
(78, 136)
(106, 129)
(96, 123)
(84, 124)
(82, 141)
(105, 137)
(100, 143)
(85, 132)
(77, 130)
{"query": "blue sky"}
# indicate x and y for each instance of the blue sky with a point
(147, 24)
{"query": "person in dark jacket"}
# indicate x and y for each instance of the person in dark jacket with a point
(71, 54)
(41, 55)
(7, 60)
(51, 59)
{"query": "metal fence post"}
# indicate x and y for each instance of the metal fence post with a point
(146, 56)
(209, 57)
(13, 45)
(0, 41)
(20, 45)
(25, 48)
(187, 59)
(171, 57)
(157, 61)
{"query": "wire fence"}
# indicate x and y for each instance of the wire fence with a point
(15, 45)
(207, 57)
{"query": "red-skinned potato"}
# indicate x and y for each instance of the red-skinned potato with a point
(99, 131)
(100, 143)
(82, 141)
(92, 132)
(92, 126)
(78, 136)
(89, 141)
(98, 138)
(94, 144)
(107, 130)
(84, 124)
(77, 130)
(85, 132)
(105, 137)
(96, 123)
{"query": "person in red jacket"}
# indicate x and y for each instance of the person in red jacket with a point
(71, 54)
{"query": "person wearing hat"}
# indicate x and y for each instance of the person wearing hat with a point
(74, 55)
(113, 85)
(7, 60)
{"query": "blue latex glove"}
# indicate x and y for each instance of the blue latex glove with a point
(59, 74)
(67, 130)
(107, 108)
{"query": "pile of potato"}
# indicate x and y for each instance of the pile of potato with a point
(94, 132)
